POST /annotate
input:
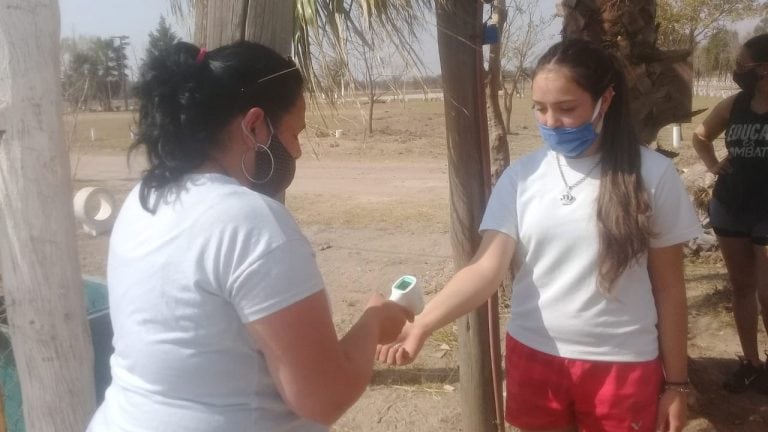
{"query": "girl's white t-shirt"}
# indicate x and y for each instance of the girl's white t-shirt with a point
(555, 305)
(182, 283)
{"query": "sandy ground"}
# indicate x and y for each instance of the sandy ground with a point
(375, 208)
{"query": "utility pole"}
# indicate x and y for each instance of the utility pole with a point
(121, 65)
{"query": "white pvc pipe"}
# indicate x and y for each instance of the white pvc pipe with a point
(677, 136)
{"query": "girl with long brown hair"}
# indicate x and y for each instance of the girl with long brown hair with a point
(594, 224)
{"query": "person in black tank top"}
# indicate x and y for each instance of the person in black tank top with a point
(738, 210)
(744, 189)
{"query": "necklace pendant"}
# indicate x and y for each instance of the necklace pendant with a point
(567, 198)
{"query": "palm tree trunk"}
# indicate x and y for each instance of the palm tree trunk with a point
(660, 82)
(269, 22)
(40, 267)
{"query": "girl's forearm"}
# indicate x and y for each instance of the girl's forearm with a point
(665, 267)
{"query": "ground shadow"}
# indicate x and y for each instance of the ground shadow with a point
(711, 301)
(415, 376)
(718, 276)
(726, 412)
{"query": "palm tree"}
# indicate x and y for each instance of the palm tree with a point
(303, 28)
(660, 81)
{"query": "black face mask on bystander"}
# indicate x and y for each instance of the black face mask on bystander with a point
(747, 80)
(276, 166)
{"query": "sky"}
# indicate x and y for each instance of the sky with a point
(133, 18)
(136, 18)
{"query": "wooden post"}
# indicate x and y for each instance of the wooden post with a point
(40, 266)
(499, 160)
(459, 38)
(269, 22)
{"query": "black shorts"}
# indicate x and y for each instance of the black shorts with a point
(741, 225)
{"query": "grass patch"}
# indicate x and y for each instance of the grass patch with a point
(425, 215)
(446, 336)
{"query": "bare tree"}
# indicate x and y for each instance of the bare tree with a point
(717, 57)
(497, 127)
(374, 66)
(525, 31)
(685, 23)
(41, 272)
(522, 27)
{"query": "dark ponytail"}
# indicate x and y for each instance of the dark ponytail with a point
(623, 209)
(188, 97)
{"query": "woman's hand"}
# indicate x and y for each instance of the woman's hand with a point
(722, 167)
(672, 411)
(390, 315)
(405, 348)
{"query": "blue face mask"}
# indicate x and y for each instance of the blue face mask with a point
(571, 142)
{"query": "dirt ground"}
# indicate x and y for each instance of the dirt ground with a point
(376, 207)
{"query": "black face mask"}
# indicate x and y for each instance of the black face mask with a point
(281, 165)
(747, 80)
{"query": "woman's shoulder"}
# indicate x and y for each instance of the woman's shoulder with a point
(723, 109)
(227, 204)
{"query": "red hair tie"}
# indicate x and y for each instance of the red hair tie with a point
(201, 55)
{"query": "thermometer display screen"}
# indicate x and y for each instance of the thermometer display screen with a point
(403, 284)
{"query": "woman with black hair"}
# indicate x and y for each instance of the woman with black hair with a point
(594, 224)
(221, 319)
(738, 211)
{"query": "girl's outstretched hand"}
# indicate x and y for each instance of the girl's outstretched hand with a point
(405, 348)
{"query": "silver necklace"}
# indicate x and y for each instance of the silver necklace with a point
(567, 198)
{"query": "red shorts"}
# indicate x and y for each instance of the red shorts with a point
(548, 392)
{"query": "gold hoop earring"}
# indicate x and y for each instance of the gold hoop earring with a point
(271, 160)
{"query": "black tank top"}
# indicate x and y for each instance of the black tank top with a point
(745, 189)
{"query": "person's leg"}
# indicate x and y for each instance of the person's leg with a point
(761, 270)
(734, 231)
(761, 267)
(734, 234)
(760, 248)
(739, 258)
(740, 261)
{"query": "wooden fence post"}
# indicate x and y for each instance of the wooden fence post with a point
(268, 22)
(459, 38)
(41, 271)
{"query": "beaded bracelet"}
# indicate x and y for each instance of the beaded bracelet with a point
(680, 387)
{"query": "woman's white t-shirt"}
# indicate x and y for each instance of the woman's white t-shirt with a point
(555, 306)
(182, 283)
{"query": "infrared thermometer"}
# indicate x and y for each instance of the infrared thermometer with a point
(407, 293)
